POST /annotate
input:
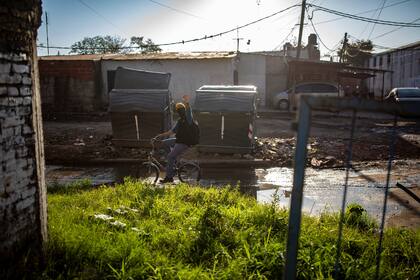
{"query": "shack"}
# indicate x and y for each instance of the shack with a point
(139, 106)
(226, 116)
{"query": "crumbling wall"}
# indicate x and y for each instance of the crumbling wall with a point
(69, 86)
(22, 191)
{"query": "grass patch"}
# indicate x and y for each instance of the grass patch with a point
(194, 233)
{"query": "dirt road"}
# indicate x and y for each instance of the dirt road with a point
(70, 142)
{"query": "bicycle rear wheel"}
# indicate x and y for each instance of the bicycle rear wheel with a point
(189, 173)
(150, 172)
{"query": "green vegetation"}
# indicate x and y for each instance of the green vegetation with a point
(194, 233)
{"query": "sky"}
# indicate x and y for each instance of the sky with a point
(166, 21)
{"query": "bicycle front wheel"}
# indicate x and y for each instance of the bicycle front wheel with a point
(150, 172)
(189, 173)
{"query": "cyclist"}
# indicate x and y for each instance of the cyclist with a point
(176, 146)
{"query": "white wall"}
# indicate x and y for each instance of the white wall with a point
(187, 75)
(252, 71)
(405, 65)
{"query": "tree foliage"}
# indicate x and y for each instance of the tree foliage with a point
(113, 44)
(99, 45)
(145, 46)
(356, 53)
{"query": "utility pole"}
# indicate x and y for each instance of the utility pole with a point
(294, 222)
(302, 19)
(46, 27)
(299, 46)
(343, 49)
(237, 40)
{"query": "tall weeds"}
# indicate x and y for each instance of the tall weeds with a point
(186, 232)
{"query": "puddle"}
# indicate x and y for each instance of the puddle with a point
(323, 188)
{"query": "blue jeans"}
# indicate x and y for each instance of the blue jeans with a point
(173, 154)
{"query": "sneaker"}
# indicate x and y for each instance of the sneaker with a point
(166, 180)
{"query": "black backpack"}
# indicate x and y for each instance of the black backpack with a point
(195, 133)
(188, 134)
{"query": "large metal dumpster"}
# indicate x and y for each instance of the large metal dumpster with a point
(226, 115)
(139, 106)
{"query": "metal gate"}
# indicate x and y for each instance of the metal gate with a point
(307, 105)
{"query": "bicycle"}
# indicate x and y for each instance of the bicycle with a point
(187, 172)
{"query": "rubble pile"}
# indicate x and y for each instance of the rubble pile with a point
(320, 153)
(78, 143)
(275, 149)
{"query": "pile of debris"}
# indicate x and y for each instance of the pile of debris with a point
(281, 152)
(275, 150)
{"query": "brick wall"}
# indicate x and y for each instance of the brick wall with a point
(22, 189)
(69, 86)
(18, 187)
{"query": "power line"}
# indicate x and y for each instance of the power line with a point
(230, 30)
(175, 9)
(291, 30)
(100, 15)
(356, 17)
(393, 30)
(367, 24)
(317, 34)
(364, 12)
(379, 14)
(285, 38)
(195, 39)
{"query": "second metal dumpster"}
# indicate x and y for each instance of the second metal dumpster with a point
(226, 115)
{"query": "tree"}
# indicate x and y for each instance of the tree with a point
(356, 53)
(145, 46)
(99, 45)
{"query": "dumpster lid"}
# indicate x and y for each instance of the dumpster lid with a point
(227, 88)
(226, 99)
(128, 78)
(127, 100)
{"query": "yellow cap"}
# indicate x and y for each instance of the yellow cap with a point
(179, 106)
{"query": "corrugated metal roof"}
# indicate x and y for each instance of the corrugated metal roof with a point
(76, 57)
(150, 56)
(414, 45)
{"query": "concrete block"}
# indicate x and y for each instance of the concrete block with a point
(21, 152)
(5, 68)
(18, 57)
(7, 133)
(21, 164)
(30, 191)
(27, 173)
(9, 155)
(20, 68)
(27, 81)
(27, 100)
(7, 143)
(10, 168)
(27, 129)
(3, 91)
(25, 91)
(17, 130)
(19, 140)
(25, 203)
(15, 101)
(10, 79)
(12, 91)
(4, 101)
(24, 110)
(13, 121)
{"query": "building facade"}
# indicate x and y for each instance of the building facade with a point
(404, 62)
(81, 83)
(70, 84)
